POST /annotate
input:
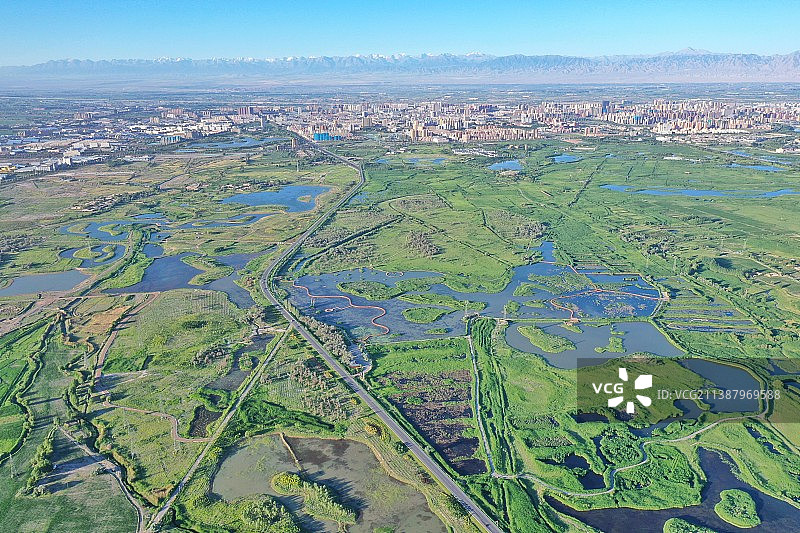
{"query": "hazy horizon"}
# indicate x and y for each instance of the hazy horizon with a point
(111, 30)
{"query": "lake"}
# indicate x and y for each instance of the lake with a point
(420, 161)
(290, 196)
(765, 168)
(726, 377)
(238, 220)
(566, 158)
(37, 283)
(168, 273)
(611, 295)
(638, 337)
(513, 164)
(768, 159)
(118, 251)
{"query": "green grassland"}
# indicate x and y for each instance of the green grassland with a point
(546, 341)
(679, 525)
(424, 315)
(157, 364)
(173, 329)
(737, 508)
(212, 269)
(371, 290)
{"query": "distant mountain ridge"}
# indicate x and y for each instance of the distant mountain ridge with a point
(687, 65)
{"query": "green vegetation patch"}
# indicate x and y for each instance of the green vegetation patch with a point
(546, 341)
(614, 345)
(424, 315)
(174, 329)
(262, 513)
(563, 283)
(371, 290)
(318, 500)
(442, 300)
(213, 269)
(417, 284)
(679, 525)
(737, 508)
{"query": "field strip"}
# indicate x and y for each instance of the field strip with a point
(101, 356)
(477, 392)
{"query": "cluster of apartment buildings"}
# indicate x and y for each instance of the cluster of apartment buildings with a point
(91, 135)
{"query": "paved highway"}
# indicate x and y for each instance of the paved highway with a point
(443, 477)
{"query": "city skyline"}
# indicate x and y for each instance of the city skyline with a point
(201, 30)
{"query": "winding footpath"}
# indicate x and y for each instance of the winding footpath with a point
(444, 479)
(350, 305)
(175, 435)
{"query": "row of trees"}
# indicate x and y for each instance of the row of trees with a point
(207, 356)
(41, 463)
(318, 500)
(422, 243)
(331, 338)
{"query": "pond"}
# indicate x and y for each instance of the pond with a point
(108, 231)
(590, 480)
(236, 376)
(637, 337)
(102, 259)
(39, 283)
(348, 467)
(512, 164)
(566, 158)
(168, 273)
(238, 220)
(776, 515)
(768, 159)
(700, 192)
(296, 198)
(726, 377)
(765, 168)
(432, 161)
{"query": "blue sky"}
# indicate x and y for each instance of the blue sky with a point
(34, 31)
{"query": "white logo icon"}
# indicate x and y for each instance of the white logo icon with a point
(645, 381)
